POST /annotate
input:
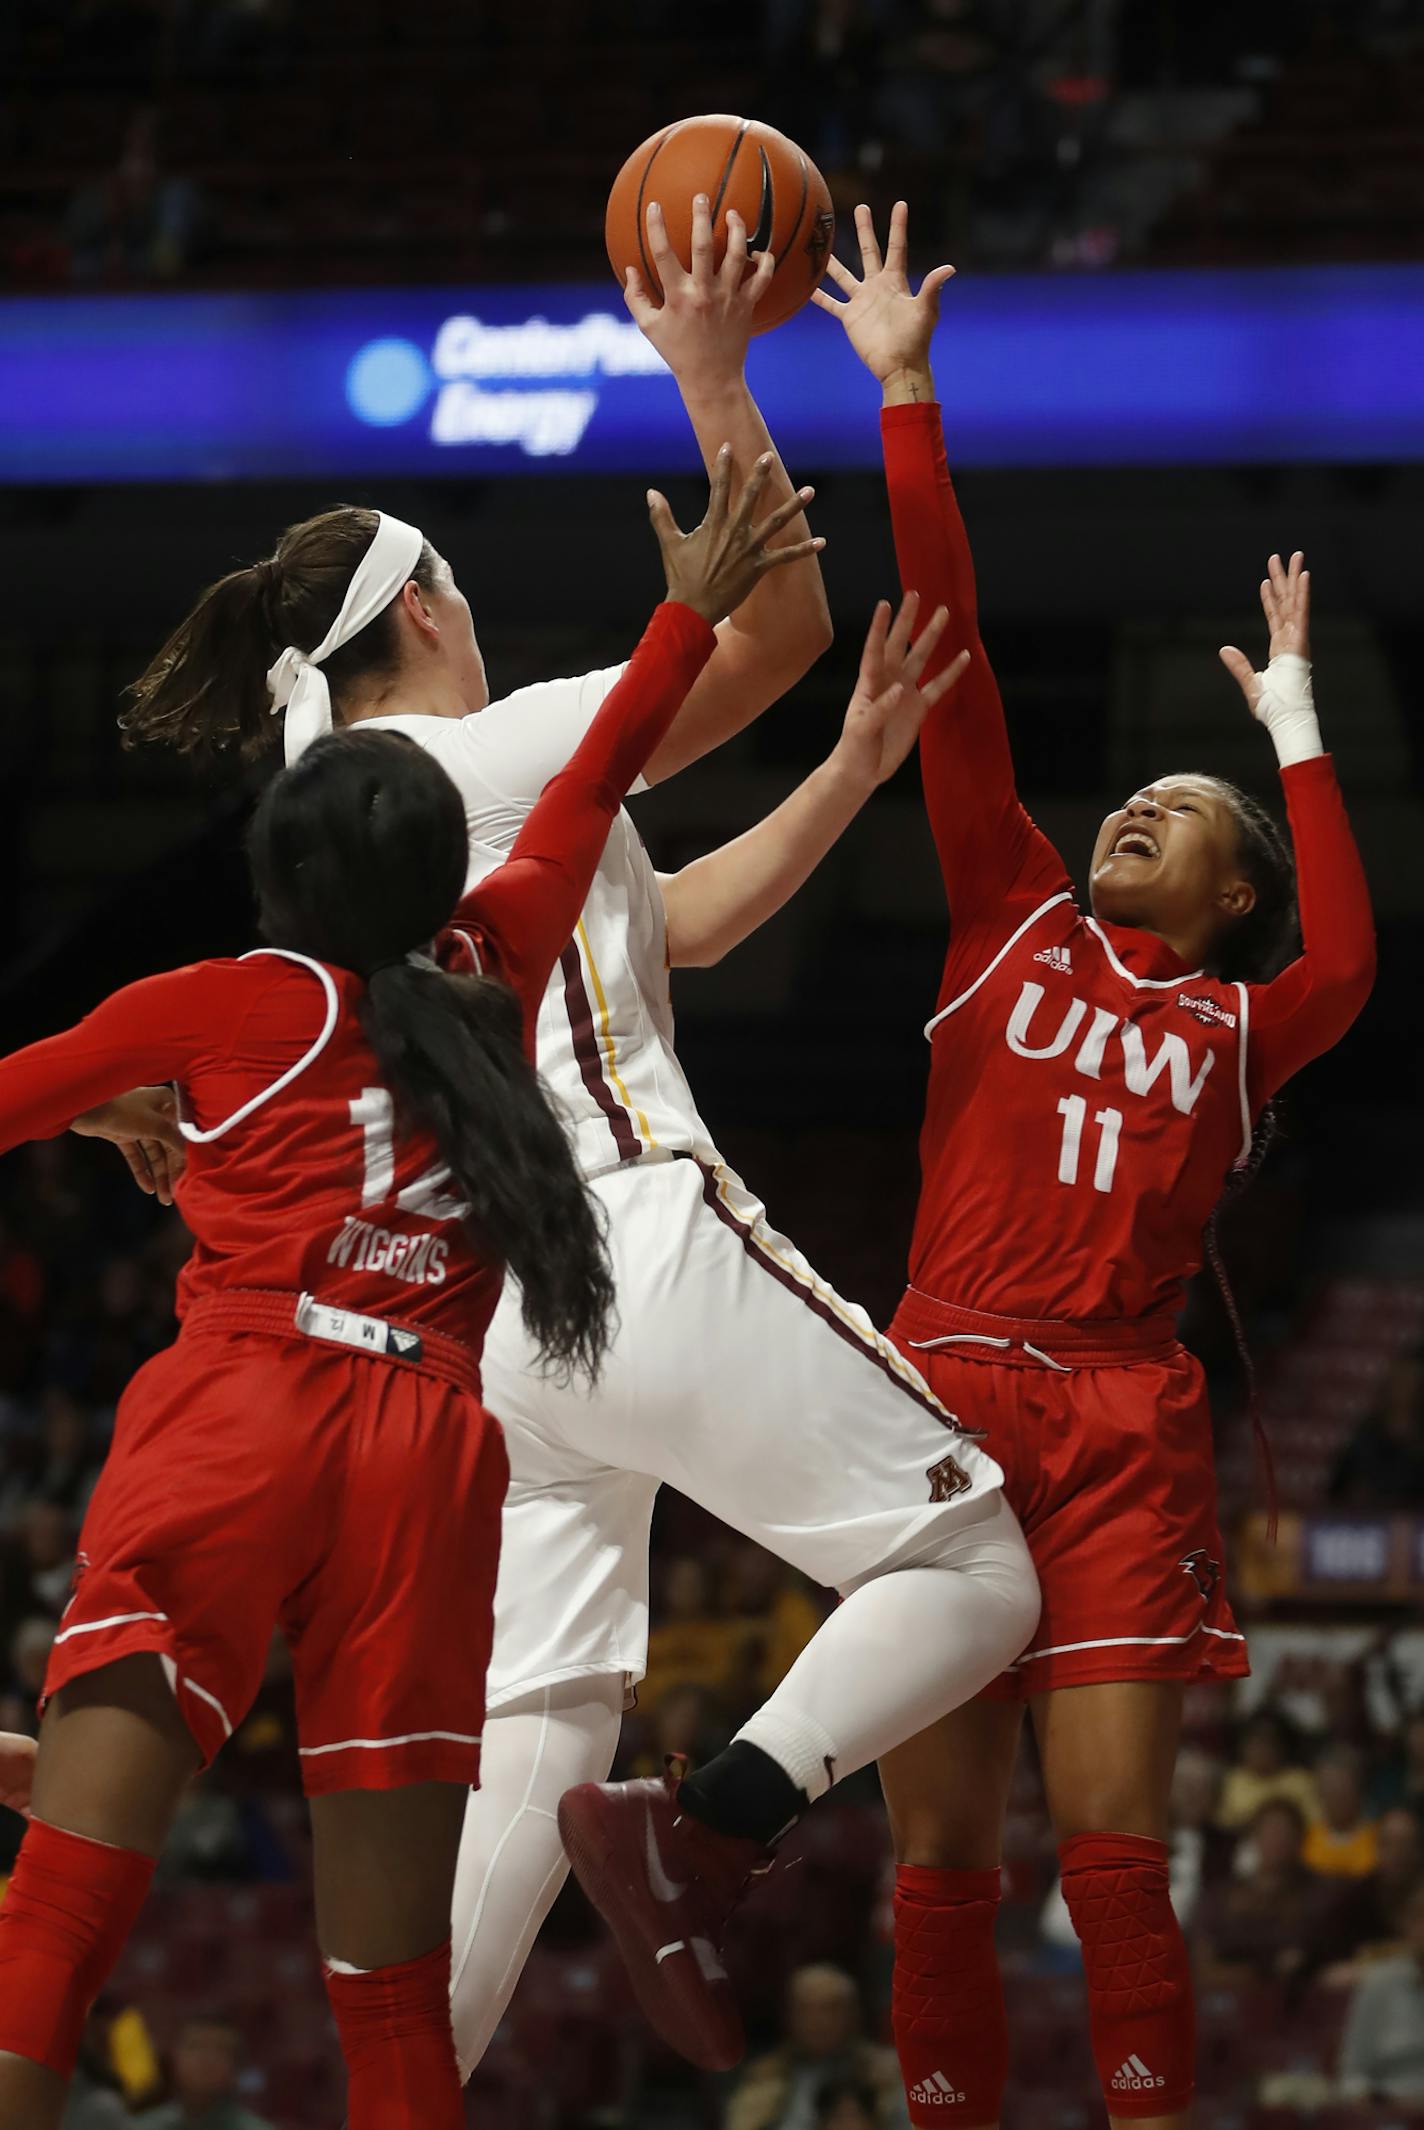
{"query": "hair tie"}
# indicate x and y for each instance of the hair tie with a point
(295, 681)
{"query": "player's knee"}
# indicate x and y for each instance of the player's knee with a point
(947, 2007)
(1108, 1797)
(1137, 1970)
(70, 1905)
(931, 1835)
(1107, 1877)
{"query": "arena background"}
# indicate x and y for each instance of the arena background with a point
(162, 148)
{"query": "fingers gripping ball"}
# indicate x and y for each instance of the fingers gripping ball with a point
(741, 165)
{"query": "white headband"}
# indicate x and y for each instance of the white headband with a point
(296, 682)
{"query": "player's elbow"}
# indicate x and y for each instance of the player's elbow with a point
(803, 632)
(1355, 979)
(697, 950)
(1369, 966)
(693, 940)
(1344, 990)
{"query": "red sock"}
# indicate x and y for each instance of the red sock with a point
(69, 1907)
(1140, 2004)
(948, 2002)
(394, 2024)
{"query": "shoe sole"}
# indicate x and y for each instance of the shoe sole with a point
(672, 1991)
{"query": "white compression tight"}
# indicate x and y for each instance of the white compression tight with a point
(512, 1862)
(906, 1647)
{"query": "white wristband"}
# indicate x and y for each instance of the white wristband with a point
(1287, 709)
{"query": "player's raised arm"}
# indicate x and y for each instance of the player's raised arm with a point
(702, 329)
(717, 901)
(983, 835)
(1312, 1002)
(531, 903)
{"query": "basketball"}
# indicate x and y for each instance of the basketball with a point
(740, 164)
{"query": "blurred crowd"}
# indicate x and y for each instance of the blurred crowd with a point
(227, 141)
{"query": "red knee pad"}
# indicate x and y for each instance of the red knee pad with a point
(394, 2024)
(69, 1907)
(1139, 1978)
(948, 2001)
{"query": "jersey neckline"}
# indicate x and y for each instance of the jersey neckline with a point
(1145, 960)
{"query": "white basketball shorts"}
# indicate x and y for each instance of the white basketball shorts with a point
(740, 1378)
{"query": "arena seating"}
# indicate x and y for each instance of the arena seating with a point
(1324, 1381)
(354, 143)
(1334, 169)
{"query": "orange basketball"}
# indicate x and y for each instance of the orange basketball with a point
(739, 163)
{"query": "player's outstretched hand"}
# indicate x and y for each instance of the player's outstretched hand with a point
(1285, 599)
(891, 702)
(715, 567)
(887, 323)
(143, 1126)
(704, 322)
(17, 1770)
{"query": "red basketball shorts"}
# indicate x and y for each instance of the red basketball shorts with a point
(1107, 1461)
(261, 1479)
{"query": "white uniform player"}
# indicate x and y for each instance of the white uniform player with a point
(737, 1375)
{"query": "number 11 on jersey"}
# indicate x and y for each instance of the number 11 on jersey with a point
(1074, 1112)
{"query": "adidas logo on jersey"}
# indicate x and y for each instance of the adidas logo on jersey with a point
(1206, 1009)
(936, 2091)
(1057, 958)
(1134, 2077)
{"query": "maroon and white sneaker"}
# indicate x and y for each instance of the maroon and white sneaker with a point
(665, 1884)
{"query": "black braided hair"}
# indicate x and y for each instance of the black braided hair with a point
(1252, 949)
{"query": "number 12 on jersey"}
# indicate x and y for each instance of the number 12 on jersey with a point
(1074, 1112)
(375, 1112)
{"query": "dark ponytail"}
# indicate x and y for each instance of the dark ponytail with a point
(207, 688)
(1253, 949)
(359, 856)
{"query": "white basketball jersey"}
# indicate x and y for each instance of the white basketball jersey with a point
(605, 1038)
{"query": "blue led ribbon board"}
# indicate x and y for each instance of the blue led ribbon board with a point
(1121, 369)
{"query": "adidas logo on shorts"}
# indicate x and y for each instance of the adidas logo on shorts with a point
(936, 2091)
(1134, 2077)
(1057, 958)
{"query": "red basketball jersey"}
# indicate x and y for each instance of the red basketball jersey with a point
(298, 1178)
(1088, 1092)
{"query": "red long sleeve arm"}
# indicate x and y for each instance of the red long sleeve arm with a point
(528, 907)
(150, 1031)
(1309, 1006)
(984, 837)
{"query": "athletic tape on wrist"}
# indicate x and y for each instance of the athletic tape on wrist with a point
(1287, 709)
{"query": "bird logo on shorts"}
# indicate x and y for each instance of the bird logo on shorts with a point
(1204, 1572)
(80, 1569)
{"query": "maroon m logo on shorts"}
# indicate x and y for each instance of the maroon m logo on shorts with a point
(947, 1479)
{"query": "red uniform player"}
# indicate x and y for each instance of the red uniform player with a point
(1094, 1080)
(370, 1148)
